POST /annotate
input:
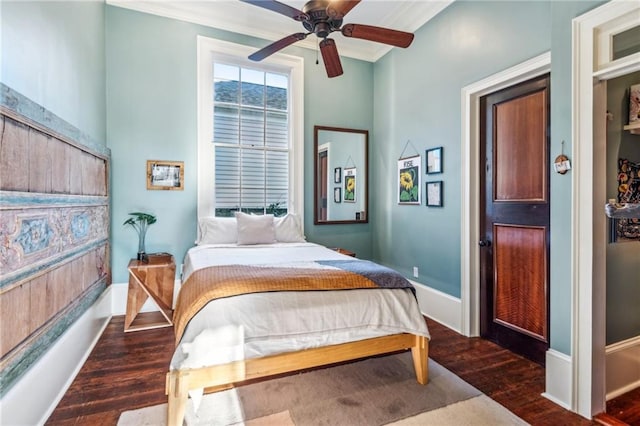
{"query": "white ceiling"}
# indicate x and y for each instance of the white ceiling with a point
(239, 17)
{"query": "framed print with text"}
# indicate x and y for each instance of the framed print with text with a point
(434, 194)
(409, 180)
(350, 185)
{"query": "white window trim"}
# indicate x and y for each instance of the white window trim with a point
(208, 49)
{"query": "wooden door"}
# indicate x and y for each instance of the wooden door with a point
(514, 219)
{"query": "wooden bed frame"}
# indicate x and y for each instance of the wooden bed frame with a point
(224, 376)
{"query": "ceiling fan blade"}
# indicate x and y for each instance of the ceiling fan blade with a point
(281, 8)
(277, 45)
(330, 57)
(338, 8)
(379, 34)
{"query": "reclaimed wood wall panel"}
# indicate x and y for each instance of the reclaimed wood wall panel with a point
(40, 310)
(40, 162)
(14, 157)
(54, 230)
(60, 168)
(15, 318)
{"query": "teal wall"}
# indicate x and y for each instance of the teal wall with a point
(561, 130)
(53, 53)
(623, 258)
(130, 79)
(152, 114)
(418, 98)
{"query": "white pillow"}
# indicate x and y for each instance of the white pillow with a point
(218, 230)
(288, 229)
(255, 229)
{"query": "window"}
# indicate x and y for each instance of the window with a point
(250, 131)
(626, 43)
(251, 140)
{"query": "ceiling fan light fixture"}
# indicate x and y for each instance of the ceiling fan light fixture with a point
(322, 29)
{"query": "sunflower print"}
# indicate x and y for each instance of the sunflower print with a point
(406, 181)
(351, 184)
(408, 188)
(350, 188)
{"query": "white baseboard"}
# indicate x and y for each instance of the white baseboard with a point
(447, 310)
(34, 397)
(558, 378)
(623, 367)
(441, 307)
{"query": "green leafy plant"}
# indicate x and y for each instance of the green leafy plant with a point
(140, 222)
(276, 208)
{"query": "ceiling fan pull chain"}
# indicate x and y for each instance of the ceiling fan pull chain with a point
(317, 44)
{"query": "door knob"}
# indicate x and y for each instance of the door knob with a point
(484, 243)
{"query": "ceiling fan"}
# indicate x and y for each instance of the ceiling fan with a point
(322, 17)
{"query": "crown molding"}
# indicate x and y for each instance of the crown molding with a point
(239, 17)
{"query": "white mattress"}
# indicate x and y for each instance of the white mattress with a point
(260, 324)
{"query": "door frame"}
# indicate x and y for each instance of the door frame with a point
(592, 67)
(470, 207)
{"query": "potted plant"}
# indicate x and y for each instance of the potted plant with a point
(140, 222)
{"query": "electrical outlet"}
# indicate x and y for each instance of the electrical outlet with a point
(415, 272)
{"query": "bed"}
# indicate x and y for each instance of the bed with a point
(280, 304)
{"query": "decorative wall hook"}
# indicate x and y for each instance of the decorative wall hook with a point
(562, 164)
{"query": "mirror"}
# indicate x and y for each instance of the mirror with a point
(341, 188)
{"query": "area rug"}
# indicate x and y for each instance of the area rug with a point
(374, 391)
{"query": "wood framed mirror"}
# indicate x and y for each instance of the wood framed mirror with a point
(341, 171)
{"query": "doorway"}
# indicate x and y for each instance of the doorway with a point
(514, 217)
(593, 64)
(322, 190)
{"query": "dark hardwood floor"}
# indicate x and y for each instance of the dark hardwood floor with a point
(126, 371)
(626, 408)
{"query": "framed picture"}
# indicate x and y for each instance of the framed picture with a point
(337, 175)
(350, 185)
(434, 160)
(434, 194)
(337, 195)
(409, 180)
(165, 175)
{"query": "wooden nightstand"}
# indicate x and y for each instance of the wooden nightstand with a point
(344, 251)
(154, 279)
